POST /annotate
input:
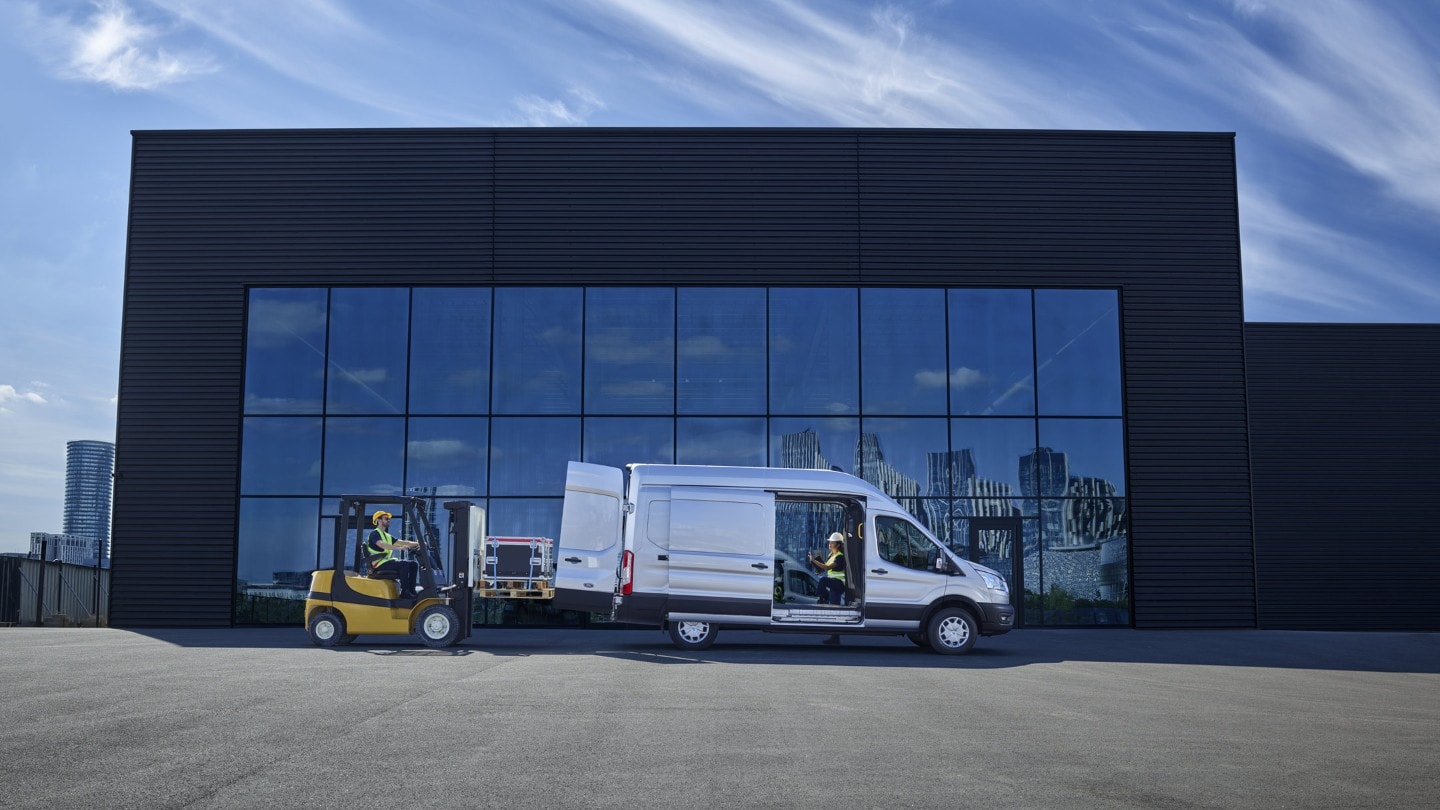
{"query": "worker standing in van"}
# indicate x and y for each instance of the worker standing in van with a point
(832, 585)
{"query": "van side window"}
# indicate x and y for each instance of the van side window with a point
(903, 544)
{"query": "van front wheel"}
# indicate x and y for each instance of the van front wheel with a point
(692, 635)
(952, 631)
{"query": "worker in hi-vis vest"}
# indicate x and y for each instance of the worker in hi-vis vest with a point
(380, 550)
(832, 584)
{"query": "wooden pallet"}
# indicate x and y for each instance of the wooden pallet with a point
(515, 593)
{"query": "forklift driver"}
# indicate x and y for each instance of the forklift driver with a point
(380, 554)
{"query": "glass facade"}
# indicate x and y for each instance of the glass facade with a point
(969, 406)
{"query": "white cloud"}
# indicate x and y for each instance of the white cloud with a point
(112, 46)
(8, 393)
(572, 111)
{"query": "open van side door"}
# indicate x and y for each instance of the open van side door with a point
(587, 560)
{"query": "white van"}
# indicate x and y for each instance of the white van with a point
(696, 549)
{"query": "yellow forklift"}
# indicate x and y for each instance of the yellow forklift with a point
(348, 599)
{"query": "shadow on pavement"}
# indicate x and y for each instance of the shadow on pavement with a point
(1359, 652)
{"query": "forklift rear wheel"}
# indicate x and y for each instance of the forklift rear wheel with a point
(328, 630)
(692, 635)
(438, 626)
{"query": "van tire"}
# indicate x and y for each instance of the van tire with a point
(952, 631)
(693, 635)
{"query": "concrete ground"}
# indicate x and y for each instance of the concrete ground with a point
(541, 718)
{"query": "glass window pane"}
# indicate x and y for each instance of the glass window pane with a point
(617, 440)
(364, 455)
(736, 441)
(537, 350)
(450, 350)
(992, 458)
(276, 554)
(814, 351)
(1077, 345)
(369, 329)
(815, 444)
(903, 351)
(1085, 578)
(1082, 457)
(285, 351)
(528, 455)
(721, 351)
(630, 350)
(447, 456)
(992, 358)
(905, 459)
(280, 456)
(525, 517)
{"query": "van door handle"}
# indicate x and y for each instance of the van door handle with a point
(572, 559)
(761, 566)
(665, 557)
(878, 571)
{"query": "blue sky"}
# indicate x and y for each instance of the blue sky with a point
(1336, 107)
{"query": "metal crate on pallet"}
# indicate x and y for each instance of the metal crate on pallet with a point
(517, 566)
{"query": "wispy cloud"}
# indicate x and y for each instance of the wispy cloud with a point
(877, 69)
(326, 46)
(1345, 77)
(114, 47)
(1295, 263)
(573, 110)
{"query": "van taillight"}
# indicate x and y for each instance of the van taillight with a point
(627, 573)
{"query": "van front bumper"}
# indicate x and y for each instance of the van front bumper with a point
(997, 619)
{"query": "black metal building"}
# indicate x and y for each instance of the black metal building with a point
(215, 214)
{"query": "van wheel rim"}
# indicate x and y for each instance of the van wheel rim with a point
(694, 631)
(954, 632)
(325, 630)
(436, 626)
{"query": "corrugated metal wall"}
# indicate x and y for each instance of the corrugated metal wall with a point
(1345, 437)
(1151, 213)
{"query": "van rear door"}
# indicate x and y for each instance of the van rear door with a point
(586, 563)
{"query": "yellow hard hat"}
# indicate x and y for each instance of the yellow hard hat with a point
(379, 513)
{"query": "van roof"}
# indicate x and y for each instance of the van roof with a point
(782, 479)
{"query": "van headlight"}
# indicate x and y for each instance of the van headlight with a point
(993, 582)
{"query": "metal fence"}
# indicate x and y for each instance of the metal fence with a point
(35, 593)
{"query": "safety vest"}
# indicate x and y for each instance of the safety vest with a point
(835, 573)
(378, 559)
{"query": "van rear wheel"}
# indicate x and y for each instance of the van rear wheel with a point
(692, 635)
(952, 631)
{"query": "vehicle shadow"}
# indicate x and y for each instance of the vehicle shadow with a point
(1417, 653)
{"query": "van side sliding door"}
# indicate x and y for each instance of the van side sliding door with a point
(722, 544)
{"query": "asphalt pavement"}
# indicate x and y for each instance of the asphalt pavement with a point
(599, 718)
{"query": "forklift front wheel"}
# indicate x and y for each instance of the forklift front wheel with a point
(438, 626)
(328, 630)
